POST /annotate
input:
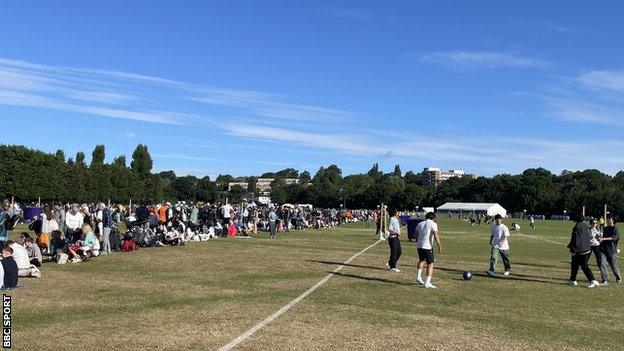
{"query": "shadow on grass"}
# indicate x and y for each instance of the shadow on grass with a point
(373, 279)
(540, 265)
(513, 276)
(347, 265)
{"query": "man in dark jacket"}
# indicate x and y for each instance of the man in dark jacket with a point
(580, 248)
(10, 268)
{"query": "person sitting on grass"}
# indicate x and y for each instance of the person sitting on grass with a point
(34, 252)
(87, 247)
(173, 238)
(20, 255)
(57, 242)
(9, 268)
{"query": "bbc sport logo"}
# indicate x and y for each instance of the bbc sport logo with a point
(6, 321)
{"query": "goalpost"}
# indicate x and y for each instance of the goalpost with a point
(383, 233)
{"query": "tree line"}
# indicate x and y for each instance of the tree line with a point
(31, 174)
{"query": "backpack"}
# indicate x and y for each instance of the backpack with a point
(10, 222)
(129, 245)
(115, 243)
(36, 226)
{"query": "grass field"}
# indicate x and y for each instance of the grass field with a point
(204, 295)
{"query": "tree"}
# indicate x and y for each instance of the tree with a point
(412, 178)
(287, 173)
(397, 171)
(186, 187)
(80, 158)
(375, 173)
(167, 175)
(141, 161)
(120, 161)
(252, 184)
(236, 194)
(304, 178)
(60, 155)
(97, 156)
(205, 190)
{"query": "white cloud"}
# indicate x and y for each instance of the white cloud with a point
(556, 27)
(93, 91)
(348, 12)
(608, 80)
(575, 110)
(478, 60)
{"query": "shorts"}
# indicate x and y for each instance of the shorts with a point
(426, 255)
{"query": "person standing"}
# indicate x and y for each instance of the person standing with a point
(227, 211)
(107, 225)
(594, 241)
(272, 222)
(4, 217)
(499, 242)
(580, 248)
(426, 232)
(532, 222)
(608, 250)
(393, 240)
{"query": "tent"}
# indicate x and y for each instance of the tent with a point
(489, 209)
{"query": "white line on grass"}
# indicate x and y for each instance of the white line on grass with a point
(542, 239)
(282, 310)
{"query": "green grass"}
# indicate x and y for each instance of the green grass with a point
(203, 295)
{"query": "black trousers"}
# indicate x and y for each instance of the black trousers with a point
(395, 251)
(582, 261)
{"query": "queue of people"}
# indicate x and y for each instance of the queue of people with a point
(72, 233)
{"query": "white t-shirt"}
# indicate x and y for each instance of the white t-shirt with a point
(394, 227)
(425, 231)
(500, 233)
(227, 210)
(74, 221)
(20, 255)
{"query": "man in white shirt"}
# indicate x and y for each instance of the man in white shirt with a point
(393, 240)
(499, 239)
(227, 213)
(20, 255)
(426, 232)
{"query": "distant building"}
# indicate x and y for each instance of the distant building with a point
(434, 176)
(263, 184)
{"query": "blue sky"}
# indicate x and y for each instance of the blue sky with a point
(245, 87)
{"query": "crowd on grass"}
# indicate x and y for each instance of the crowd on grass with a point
(68, 232)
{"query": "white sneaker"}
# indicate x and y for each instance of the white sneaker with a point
(593, 284)
(430, 286)
(387, 265)
(396, 270)
(75, 260)
(35, 273)
(420, 280)
(572, 283)
(489, 273)
(506, 273)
